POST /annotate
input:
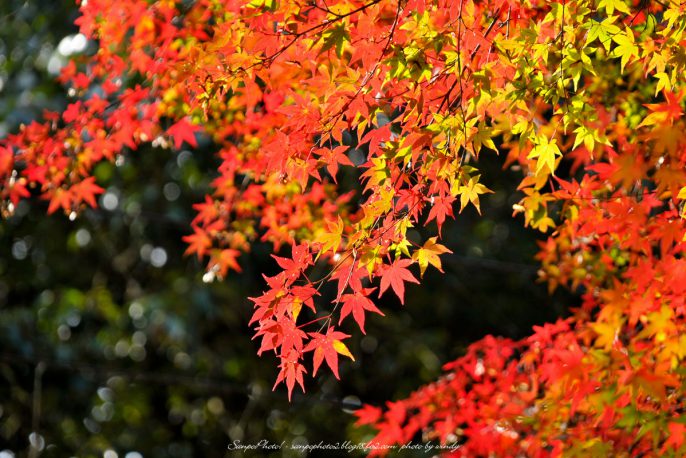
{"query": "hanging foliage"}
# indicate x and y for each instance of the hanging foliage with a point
(585, 97)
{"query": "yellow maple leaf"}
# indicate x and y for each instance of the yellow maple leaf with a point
(626, 47)
(428, 254)
(470, 193)
(545, 152)
(330, 238)
(612, 5)
(663, 82)
(659, 324)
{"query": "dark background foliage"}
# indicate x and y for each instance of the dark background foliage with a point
(111, 343)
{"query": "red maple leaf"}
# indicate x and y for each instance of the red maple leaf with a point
(677, 433)
(327, 347)
(199, 242)
(223, 260)
(305, 294)
(441, 207)
(291, 371)
(395, 275)
(368, 415)
(58, 198)
(85, 191)
(357, 304)
(333, 157)
(183, 131)
(671, 107)
(349, 276)
(376, 137)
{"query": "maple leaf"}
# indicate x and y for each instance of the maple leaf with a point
(608, 333)
(207, 211)
(440, 208)
(58, 198)
(357, 304)
(280, 332)
(330, 239)
(86, 190)
(335, 37)
(395, 275)
(602, 31)
(377, 171)
(376, 138)
(626, 47)
(292, 267)
(677, 435)
(333, 157)
(199, 242)
(470, 193)
(663, 82)
(183, 131)
(327, 347)
(428, 254)
(223, 260)
(659, 324)
(349, 276)
(545, 153)
(291, 371)
(611, 5)
(36, 173)
(17, 191)
(368, 415)
(303, 295)
(669, 111)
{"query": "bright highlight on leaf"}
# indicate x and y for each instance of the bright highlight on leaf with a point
(545, 152)
(470, 193)
(429, 254)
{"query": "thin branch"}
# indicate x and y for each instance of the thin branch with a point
(296, 36)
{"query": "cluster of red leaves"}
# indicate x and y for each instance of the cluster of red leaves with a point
(289, 122)
(610, 380)
(57, 156)
(610, 386)
(297, 98)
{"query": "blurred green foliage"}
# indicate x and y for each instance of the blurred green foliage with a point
(30, 57)
(112, 345)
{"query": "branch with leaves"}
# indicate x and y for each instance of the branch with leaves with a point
(585, 97)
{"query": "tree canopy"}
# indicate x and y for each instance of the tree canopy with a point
(340, 128)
